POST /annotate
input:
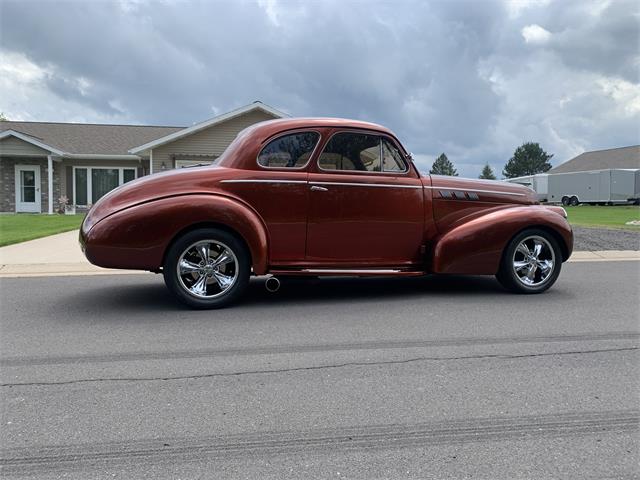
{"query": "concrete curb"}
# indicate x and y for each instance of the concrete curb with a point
(16, 270)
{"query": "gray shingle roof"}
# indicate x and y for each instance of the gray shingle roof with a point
(83, 138)
(623, 157)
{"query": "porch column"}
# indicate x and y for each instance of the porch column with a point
(50, 182)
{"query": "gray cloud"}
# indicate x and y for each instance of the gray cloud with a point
(455, 76)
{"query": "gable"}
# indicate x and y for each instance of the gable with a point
(215, 139)
(15, 146)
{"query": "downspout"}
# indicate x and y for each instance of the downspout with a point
(50, 182)
(150, 162)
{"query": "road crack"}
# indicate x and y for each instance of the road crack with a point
(318, 367)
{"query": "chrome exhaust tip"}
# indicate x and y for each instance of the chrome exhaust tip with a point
(272, 284)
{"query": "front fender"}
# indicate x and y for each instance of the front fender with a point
(137, 237)
(475, 247)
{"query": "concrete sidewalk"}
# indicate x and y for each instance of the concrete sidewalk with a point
(60, 254)
(50, 256)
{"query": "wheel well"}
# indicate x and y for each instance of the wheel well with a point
(196, 226)
(557, 237)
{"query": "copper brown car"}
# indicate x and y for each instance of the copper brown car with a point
(320, 197)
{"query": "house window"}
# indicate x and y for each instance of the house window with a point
(91, 183)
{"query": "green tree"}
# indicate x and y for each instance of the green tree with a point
(443, 166)
(528, 159)
(2, 117)
(487, 173)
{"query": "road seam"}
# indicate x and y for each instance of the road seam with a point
(317, 367)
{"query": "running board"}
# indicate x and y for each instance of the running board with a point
(358, 272)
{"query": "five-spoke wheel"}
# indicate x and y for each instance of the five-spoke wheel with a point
(531, 262)
(207, 268)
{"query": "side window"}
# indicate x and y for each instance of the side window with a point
(352, 151)
(289, 151)
(391, 158)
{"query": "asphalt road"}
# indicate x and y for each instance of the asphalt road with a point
(107, 377)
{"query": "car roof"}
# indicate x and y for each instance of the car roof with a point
(271, 127)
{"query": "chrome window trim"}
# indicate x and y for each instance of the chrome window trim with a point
(367, 172)
(362, 184)
(284, 134)
(261, 180)
(495, 192)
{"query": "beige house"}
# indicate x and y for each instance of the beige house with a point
(84, 161)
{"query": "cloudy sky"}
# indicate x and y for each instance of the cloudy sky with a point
(473, 79)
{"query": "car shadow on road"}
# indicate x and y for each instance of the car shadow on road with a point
(294, 290)
(131, 294)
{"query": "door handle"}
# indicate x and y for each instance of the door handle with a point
(317, 188)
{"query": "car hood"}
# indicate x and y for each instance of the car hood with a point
(182, 181)
(487, 190)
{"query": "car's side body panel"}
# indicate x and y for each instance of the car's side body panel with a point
(302, 219)
(475, 246)
(138, 237)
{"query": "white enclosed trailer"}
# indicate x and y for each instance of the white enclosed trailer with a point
(538, 183)
(595, 186)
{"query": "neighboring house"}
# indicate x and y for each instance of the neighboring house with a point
(611, 158)
(85, 161)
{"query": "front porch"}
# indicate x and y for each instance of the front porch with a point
(28, 181)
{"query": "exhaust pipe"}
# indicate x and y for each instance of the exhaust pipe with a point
(272, 284)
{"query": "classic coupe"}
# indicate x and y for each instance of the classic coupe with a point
(321, 197)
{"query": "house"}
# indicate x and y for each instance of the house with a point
(611, 158)
(85, 161)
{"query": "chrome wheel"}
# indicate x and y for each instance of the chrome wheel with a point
(533, 261)
(207, 269)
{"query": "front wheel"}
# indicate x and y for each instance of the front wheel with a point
(531, 262)
(207, 268)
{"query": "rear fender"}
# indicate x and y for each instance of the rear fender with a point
(475, 247)
(138, 237)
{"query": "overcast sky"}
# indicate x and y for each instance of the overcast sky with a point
(474, 79)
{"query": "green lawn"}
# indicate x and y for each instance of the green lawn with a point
(25, 226)
(604, 216)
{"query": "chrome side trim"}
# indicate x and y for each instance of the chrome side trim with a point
(261, 180)
(356, 184)
(495, 192)
(347, 270)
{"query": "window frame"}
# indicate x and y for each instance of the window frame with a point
(380, 135)
(89, 187)
(279, 135)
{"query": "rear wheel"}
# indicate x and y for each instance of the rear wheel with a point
(565, 201)
(207, 268)
(531, 262)
(573, 201)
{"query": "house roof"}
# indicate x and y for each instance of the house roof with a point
(170, 137)
(85, 138)
(623, 157)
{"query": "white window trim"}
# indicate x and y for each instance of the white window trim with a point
(89, 176)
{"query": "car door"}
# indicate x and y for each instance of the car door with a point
(365, 204)
(278, 190)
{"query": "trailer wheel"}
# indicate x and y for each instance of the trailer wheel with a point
(573, 201)
(565, 201)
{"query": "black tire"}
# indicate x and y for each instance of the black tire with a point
(565, 201)
(573, 201)
(214, 296)
(507, 275)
